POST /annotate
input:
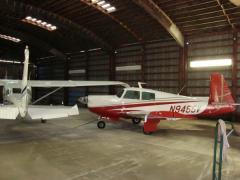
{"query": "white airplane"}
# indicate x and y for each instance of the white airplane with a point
(152, 106)
(18, 94)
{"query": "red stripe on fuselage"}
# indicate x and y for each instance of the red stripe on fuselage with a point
(141, 104)
(117, 111)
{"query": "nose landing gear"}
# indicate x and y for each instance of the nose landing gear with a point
(101, 122)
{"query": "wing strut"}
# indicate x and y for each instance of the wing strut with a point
(46, 95)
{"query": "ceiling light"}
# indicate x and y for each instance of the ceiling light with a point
(106, 6)
(39, 23)
(95, 1)
(10, 38)
(111, 9)
(10, 61)
(211, 63)
(101, 3)
(28, 17)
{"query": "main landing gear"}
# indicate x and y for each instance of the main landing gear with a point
(136, 121)
(101, 124)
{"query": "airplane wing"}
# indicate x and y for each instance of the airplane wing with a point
(8, 112)
(158, 115)
(51, 112)
(43, 83)
(58, 83)
(9, 82)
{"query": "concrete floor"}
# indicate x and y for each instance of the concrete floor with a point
(74, 149)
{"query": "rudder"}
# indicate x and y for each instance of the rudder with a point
(219, 90)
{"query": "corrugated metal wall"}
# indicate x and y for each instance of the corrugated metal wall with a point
(98, 69)
(77, 71)
(205, 48)
(162, 66)
(83, 65)
(51, 69)
(129, 56)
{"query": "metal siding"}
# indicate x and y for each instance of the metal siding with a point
(207, 47)
(162, 65)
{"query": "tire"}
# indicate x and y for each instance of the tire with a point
(101, 124)
(136, 121)
(43, 121)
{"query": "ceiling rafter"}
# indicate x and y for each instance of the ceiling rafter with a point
(82, 31)
(158, 14)
(34, 41)
(225, 14)
(122, 24)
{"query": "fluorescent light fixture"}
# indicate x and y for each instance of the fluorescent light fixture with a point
(101, 3)
(111, 9)
(39, 23)
(128, 68)
(106, 6)
(211, 63)
(77, 71)
(10, 61)
(10, 38)
(95, 1)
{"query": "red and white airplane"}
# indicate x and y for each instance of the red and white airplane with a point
(152, 106)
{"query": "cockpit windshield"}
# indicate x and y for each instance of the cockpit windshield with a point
(120, 93)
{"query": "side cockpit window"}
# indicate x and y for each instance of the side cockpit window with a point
(130, 94)
(8, 92)
(16, 90)
(148, 96)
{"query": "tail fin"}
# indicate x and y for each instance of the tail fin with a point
(25, 69)
(219, 90)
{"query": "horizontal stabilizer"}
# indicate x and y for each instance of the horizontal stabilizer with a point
(8, 112)
(51, 112)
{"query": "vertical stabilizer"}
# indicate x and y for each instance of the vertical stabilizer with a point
(25, 69)
(219, 90)
(23, 104)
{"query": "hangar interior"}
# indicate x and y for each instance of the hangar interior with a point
(131, 42)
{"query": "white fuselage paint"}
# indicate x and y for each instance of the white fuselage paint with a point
(163, 102)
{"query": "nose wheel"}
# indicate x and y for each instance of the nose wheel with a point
(101, 124)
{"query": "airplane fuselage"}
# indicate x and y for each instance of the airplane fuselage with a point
(116, 107)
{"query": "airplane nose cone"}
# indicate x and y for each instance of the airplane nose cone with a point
(83, 100)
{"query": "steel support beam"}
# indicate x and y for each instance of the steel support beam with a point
(112, 70)
(66, 77)
(143, 63)
(225, 14)
(183, 66)
(159, 15)
(20, 7)
(87, 70)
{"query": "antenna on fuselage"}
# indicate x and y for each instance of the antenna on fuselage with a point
(182, 89)
(140, 84)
